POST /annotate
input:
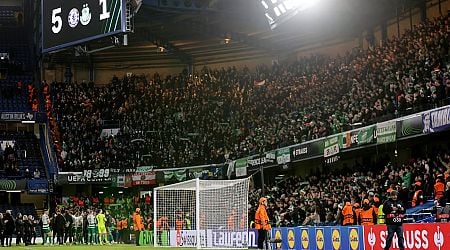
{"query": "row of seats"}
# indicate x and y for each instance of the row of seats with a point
(32, 160)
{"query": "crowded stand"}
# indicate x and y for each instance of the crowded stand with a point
(313, 201)
(219, 114)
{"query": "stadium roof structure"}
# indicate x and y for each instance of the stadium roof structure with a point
(171, 33)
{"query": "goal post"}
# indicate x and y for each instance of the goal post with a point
(202, 213)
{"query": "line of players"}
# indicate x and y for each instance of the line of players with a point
(23, 226)
(90, 227)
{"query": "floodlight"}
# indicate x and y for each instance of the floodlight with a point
(282, 9)
(264, 4)
(278, 11)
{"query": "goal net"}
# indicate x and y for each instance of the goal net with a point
(202, 214)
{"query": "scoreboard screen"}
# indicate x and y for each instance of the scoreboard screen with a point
(70, 22)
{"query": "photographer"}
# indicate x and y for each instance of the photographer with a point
(394, 211)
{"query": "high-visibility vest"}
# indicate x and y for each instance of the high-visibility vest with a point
(381, 216)
(439, 190)
(261, 218)
(179, 224)
(375, 209)
(347, 213)
(162, 223)
(242, 221)
(367, 217)
(138, 225)
(124, 224)
(230, 222)
(119, 225)
(415, 200)
(187, 220)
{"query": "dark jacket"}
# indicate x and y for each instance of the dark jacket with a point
(393, 217)
(60, 222)
(2, 226)
(27, 227)
(19, 226)
(9, 224)
(69, 220)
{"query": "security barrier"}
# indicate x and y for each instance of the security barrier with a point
(336, 238)
(417, 236)
(208, 238)
(434, 236)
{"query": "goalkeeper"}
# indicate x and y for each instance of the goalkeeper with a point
(262, 222)
(101, 220)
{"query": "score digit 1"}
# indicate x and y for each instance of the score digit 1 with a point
(105, 12)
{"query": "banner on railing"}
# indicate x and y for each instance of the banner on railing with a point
(146, 238)
(410, 126)
(17, 116)
(307, 150)
(321, 238)
(94, 176)
(283, 155)
(143, 178)
(261, 159)
(436, 120)
(241, 167)
(37, 186)
(214, 238)
(356, 138)
(386, 132)
(207, 172)
(10, 185)
(434, 236)
(331, 146)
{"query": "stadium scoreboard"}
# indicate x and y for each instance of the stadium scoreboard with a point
(70, 22)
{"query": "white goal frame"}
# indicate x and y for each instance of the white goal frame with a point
(198, 186)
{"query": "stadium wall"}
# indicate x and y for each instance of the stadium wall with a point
(10, 3)
(104, 73)
(37, 199)
(250, 63)
(331, 48)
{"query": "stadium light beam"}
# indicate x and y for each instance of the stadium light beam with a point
(278, 11)
(264, 4)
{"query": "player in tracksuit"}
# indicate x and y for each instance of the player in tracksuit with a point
(45, 220)
(91, 225)
(78, 228)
